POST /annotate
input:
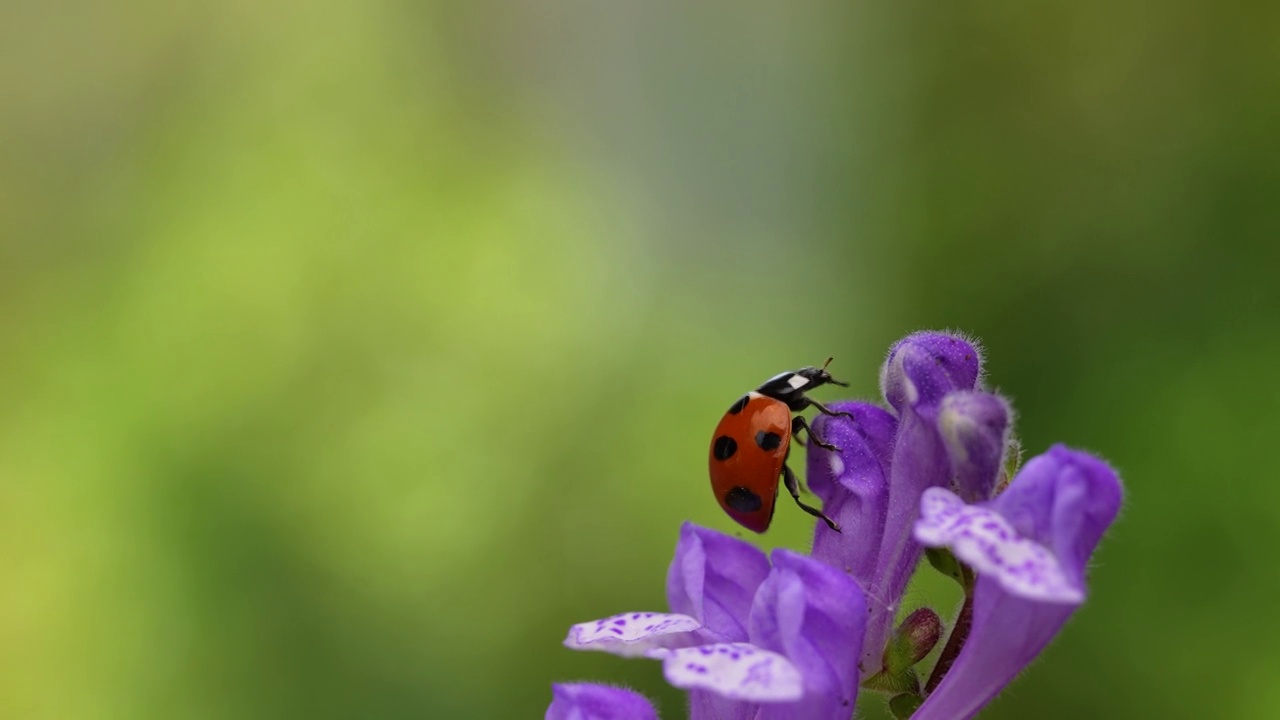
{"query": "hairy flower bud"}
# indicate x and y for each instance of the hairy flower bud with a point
(912, 641)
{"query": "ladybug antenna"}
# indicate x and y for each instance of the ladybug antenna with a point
(830, 379)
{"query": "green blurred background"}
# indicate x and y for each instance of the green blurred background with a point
(350, 352)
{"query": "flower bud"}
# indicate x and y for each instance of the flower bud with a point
(912, 641)
(925, 366)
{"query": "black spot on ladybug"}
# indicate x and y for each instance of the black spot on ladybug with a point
(724, 448)
(742, 499)
(737, 407)
(768, 440)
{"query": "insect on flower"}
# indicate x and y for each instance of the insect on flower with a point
(796, 637)
(750, 447)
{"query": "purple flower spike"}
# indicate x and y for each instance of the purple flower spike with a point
(813, 614)
(853, 485)
(713, 578)
(584, 701)
(921, 370)
(975, 430)
(1030, 546)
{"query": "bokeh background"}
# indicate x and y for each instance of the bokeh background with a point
(351, 351)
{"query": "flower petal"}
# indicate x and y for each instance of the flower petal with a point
(865, 441)
(737, 671)
(853, 484)
(635, 634)
(585, 701)
(1063, 500)
(984, 540)
(813, 614)
(713, 577)
(975, 430)
(707, 705)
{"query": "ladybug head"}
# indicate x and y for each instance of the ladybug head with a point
(819, 375)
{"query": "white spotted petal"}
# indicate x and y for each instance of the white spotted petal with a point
(985, 541)
(635, 634)
(737, 671)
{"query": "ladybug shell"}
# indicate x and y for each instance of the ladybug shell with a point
(747, 452)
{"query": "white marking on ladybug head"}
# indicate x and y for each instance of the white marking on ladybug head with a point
(797, 381)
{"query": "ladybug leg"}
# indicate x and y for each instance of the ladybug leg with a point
(793, 487)
(798, 423)
(826, 410)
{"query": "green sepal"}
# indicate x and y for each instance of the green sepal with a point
(903, 682)
(944, 562)
(904, 705)
(1012, 462)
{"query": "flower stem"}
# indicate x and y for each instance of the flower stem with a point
(955, 642)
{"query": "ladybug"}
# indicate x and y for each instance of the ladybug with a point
(750, 447)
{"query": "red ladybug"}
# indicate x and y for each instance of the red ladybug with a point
(753, 440)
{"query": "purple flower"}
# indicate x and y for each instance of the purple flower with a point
(943, 431)
(796, 637)
(748, 638)
(1029, 547)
